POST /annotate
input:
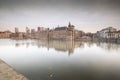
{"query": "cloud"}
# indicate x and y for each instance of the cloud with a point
(54, 12)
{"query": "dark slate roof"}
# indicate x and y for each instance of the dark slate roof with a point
(7, 31)
(118, 30)
(61, 28)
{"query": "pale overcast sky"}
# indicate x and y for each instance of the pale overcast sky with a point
(86, 15)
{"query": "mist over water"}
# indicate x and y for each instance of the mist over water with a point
(62, 60)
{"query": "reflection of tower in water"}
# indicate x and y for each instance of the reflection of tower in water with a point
(58, 45)
(17, 45)
(71, 50)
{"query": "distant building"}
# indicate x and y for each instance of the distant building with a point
(71, 27)
(16, 30)
(119, 34)
(39, 29)
(62, 33)
(89, 34)
(27, 30)
(32, 31)
(5, 34)
(19, 35)
(27, 35)
(106, 33)
(113, 35)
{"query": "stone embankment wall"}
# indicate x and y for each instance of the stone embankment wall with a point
(8, 73)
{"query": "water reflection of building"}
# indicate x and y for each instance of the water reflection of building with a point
(58, 45)
(108, 46)
(62, 46)
(67, 46)
(17, 45)
(27, 44)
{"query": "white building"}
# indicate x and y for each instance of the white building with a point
(104, 33)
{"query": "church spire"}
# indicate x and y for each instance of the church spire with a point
(69, 24)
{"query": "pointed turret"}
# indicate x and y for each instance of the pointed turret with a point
(69, 25)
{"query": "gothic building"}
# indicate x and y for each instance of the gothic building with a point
(71, 27)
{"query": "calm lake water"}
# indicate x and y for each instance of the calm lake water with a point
(62, 60)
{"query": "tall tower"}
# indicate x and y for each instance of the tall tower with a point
(16, 30)
(69, 25)
(39, 29)
(71, 28)
(27, 30)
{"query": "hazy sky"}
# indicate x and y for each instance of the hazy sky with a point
(86, 15)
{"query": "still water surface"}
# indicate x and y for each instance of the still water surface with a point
(62, 60)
